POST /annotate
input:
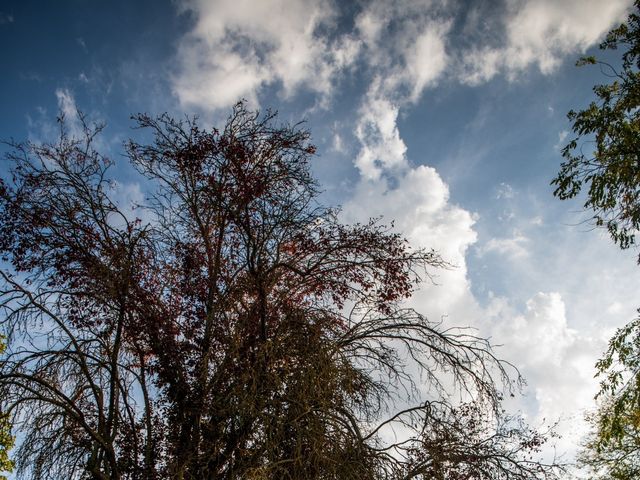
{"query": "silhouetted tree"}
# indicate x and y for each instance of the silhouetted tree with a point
(237, 330)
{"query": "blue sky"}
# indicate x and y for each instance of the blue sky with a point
(445, 116)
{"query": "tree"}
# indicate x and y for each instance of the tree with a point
(612, 450)
(609, 170)
(6, 439)
(235, 328)
(604, 160)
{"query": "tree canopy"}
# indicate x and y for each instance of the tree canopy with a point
(604, 161)
(229, 326)
(612, 450)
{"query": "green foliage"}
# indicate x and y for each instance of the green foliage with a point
(6, 443)
(613, 449)
(603, 159)
(6, 439)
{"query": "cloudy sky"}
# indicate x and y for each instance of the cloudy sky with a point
(444, 116)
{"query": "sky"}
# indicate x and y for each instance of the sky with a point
(446, 117)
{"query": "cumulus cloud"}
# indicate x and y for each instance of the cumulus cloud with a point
(511, 247)
(238, 46)
(556, 360)
(405, 43)
(376, 129)
(215, 81)
(417, 201)
(540, 335)
(541, 33)
(427, 58)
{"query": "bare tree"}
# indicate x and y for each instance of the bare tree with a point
(241, 331)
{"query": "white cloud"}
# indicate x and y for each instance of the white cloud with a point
(382, 148)
(426, 59)
(128, 197)
(511, 247)
(556, 360)
(73, 121)
(216, 81)
(337, 144)
(562, 136)
(542, 30)
(540, 335)
(404, 43)
(238, 46)
(417, 201)
(42, 129)
(66, 103)
(541, 33)
(615, 308)
(505, 191)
